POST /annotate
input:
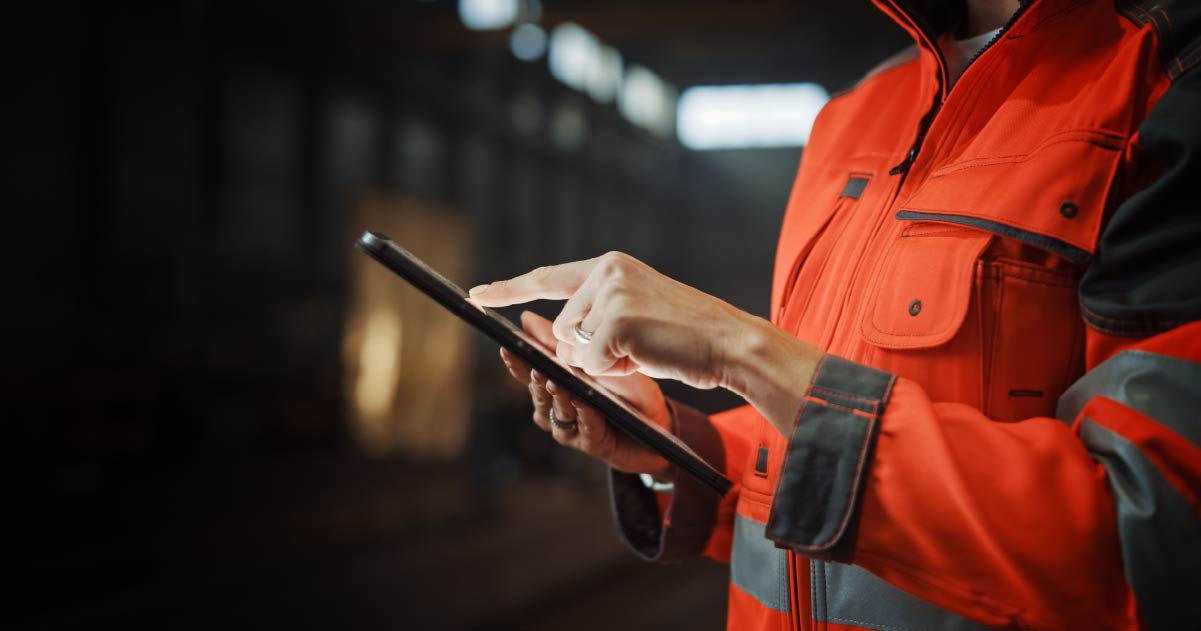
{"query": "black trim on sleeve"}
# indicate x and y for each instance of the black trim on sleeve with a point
(692, 512)
(1146, 275)
(815, 507)
(1177, 26)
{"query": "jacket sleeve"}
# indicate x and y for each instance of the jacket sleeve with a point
(1091, 520)
(691, 519)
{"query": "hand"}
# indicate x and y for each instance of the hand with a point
(593, 435)
(642, 321)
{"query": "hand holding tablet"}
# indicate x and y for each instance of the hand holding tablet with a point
(580, 385)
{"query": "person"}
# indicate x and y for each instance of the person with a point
(976, 401)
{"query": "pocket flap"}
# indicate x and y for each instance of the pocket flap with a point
(923, 288)
(1052, 197)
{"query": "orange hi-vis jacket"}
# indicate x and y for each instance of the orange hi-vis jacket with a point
(1006, 276)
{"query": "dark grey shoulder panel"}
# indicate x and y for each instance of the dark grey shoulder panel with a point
(1177, 25)
(1145, 277)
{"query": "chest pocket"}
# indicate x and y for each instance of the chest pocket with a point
(981, 275)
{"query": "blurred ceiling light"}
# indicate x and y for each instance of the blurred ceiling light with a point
(647, 101)
(573, 53)
(488, 15)
(605, 79)
(580, 60)
(737, 116)
(527, 41)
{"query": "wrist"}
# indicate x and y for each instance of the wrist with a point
(771, 369)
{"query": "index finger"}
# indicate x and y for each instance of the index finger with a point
(553, 282)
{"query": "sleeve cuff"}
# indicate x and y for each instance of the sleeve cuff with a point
(682, 528)
(815, 508)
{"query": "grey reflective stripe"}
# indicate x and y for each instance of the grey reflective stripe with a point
(1167, 389)
(757, 566)
(1159, 533)
(849, 594)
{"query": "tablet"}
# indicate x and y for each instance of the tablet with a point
(619, 414)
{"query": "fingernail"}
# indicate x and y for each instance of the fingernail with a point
(535, 375)
(551, 387)
(479, 289)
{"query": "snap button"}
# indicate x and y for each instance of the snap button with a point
(915, 307)
(1068, 209)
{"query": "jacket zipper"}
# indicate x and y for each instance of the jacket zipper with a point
(800, 581)
(902, 169)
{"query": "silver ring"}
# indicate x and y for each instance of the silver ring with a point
(580, 334)
(565, 426)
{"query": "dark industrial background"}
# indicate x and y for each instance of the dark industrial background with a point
(184, 181)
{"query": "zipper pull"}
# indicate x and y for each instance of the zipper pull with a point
(904, 166)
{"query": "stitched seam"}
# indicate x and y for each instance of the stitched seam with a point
(1115, 326)
(1130, 15)
(1057, 13)
(1023, 157)
(826, 588)
(1120, 322)
(868, 400)
(1036, 276)
(998, 306)
(849, 406)
(1068, 278)
(1091, 135)
(758, 502)
(874, 625)
(908, 235)
(844, 408)
(813, 590)
(1188, 59)
(782, 572)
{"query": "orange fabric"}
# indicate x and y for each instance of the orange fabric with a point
(977, 500)
(745, 612)
(736, 428)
